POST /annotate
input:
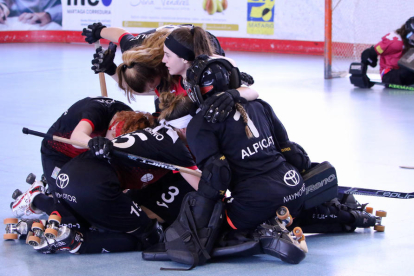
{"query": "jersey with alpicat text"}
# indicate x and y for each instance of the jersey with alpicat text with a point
(160, 144)
(98, 112)
(247, 157)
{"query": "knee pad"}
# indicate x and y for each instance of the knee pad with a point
(321, 184)
(191, 237)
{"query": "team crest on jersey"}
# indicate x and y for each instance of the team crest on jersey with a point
(147, 177)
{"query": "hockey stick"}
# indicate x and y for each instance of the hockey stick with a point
(372, 192)
(407, 167)
(102, 82)
(116, 153)
(394, 86)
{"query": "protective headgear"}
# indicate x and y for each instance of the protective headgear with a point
(214, 75)
(409, 27)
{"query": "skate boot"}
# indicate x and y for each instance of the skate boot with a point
(31, 178)
(277, 241)
(362, 214)
(22, 207)
(152, 235)
(18, 229)
(54, 237)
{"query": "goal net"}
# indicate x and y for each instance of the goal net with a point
(356, 25)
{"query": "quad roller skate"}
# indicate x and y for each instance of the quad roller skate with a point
(31, 178)
(18, 229)
(363, 214)
(278, 241)
(22, 207)
(54, 237)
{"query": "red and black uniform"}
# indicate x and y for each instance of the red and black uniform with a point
(93, 189)
(98, 112)
(261, 180)
(390, 49)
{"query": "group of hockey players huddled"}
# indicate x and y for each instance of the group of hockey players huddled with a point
(210, 123)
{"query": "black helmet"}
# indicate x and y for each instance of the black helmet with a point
(217, 74)
(409, 25)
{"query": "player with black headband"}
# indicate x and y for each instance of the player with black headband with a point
(142, 71)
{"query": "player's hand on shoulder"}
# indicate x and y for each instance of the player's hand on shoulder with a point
(218, 106)
(93, 32)
(100, 147)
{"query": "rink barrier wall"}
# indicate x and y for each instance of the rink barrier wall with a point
(227, 43)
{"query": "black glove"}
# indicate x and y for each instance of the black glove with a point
(246, 79)
(215, 178)
(295, 155)
(93, 32)
(369, 57)
(100, 147)
(219, 105)
(104, 61)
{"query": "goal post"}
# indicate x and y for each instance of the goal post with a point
(351, 26)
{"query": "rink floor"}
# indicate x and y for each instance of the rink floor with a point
(365, 134)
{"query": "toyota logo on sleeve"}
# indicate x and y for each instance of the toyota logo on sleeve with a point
(291, 178)
(62, 181)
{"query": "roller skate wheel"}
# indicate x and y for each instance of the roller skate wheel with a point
(297, 231)
(51, 233)
(9, 236)
(54, 218)
(379, 228)
(30, 179)
(16, 193)
(10, 221)
(381, 213)
(290, 221)
(33, 240)
(282, 213)
(38, 226)
(369, 210)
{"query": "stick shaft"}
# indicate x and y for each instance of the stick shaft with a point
(117, 153)
(102, 83)
(373, 192)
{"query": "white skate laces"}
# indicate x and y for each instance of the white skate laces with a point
(22, 207)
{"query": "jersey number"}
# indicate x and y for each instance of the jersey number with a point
(135, 211)
(168, 200)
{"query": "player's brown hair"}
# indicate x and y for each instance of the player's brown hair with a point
(195, 39)
(403, 33)
(174, 106)
(134, 120)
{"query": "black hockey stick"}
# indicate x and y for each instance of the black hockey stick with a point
(116, 153)
(372, 192)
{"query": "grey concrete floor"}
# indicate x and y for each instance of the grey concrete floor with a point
(365, 134)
